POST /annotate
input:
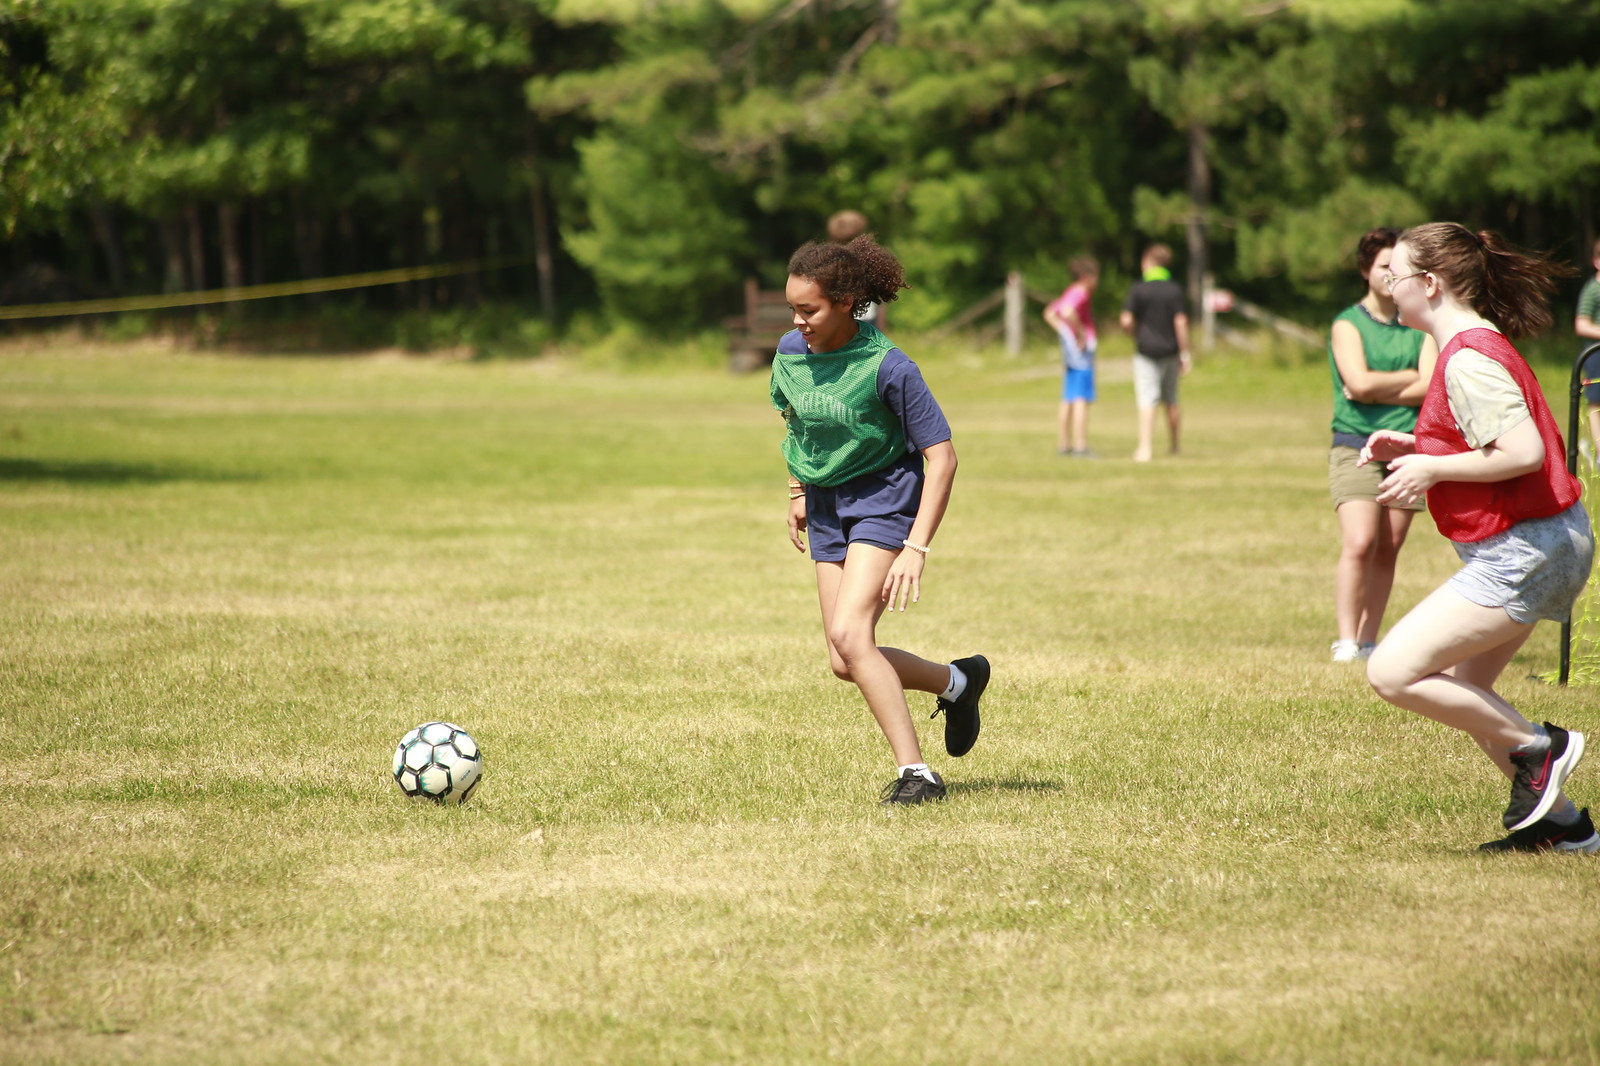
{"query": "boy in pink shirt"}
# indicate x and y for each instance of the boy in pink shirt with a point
(1071, 317)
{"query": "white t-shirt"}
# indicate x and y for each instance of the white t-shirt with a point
(1484, 398)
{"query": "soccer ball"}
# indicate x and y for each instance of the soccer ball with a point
(438, 761)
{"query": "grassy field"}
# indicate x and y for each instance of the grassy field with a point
(228, 585)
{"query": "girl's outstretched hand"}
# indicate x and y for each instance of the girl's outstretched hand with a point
(903, 583)
(797, 522)
(1385, 446)
(1410, 478)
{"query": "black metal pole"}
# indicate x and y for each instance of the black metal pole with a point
(1575, 390)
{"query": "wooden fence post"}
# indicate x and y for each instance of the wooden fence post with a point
(1016, 295)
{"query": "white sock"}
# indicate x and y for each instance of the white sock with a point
(921, 769)
(1539, 743)
(958, 684)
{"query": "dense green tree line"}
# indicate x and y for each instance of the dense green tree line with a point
(641, 158)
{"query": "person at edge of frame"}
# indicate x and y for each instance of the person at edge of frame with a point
(1489, 458)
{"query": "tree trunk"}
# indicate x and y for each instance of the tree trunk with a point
(197, 244)
(543, 260)
(176, 277)
(890, 21)
(464, 245)
(422, 291)
(308, 230)
(349, 243)
(232, 260)
(105, 231)
(258, 242)
(1199, 211)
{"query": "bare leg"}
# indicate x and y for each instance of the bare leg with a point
(1443, 631)
(850, 594)
(1064, 427)
(1174, 419)
(1393, 525)
(1358, 534)
(1147, 432)
(1482, 671)
(1080, 425)
(916, 673)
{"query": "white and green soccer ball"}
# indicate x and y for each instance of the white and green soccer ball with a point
(438, 761)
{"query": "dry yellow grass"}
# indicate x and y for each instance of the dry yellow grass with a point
(229, 585)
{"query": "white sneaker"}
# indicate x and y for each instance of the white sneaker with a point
(1345, 651)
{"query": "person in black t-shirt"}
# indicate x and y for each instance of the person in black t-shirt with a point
(1155, 314)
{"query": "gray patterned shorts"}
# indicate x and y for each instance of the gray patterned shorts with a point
(1536, 569)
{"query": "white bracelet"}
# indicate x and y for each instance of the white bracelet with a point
(923, 548)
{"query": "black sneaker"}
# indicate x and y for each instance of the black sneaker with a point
(961, 713)
(1545, 835)
(1539, 777)
(912, 787)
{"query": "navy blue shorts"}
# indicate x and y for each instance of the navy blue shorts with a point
(1591, 392)
(876, 509)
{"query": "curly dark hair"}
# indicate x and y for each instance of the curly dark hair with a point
(862, 270)
(1507, 285)
(1372, 242)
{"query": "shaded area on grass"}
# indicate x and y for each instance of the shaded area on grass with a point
(1007, 784)
(109, 473)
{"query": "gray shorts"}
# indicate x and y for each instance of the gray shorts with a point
(1536, 569)
(1155, 380)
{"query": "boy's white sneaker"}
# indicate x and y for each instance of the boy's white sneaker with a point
(1345, 651)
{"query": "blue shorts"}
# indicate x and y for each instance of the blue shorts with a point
(876, 509)
(1591, 392)
(1077, 385)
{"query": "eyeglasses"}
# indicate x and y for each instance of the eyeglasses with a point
(1390, 281)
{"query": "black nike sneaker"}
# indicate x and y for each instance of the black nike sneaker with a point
(1545, 835)
(1539, 777)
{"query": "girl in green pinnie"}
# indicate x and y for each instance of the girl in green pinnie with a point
(870, 470)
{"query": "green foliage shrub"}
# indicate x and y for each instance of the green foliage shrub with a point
(660, 243)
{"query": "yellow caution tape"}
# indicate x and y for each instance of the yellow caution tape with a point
(256, 292)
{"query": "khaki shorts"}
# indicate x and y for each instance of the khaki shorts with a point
(1347, 481)
(1155, 381)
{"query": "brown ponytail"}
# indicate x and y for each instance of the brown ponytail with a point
(1505, 284)
(862, 269)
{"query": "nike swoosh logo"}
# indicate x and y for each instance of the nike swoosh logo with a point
(1538, 783)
